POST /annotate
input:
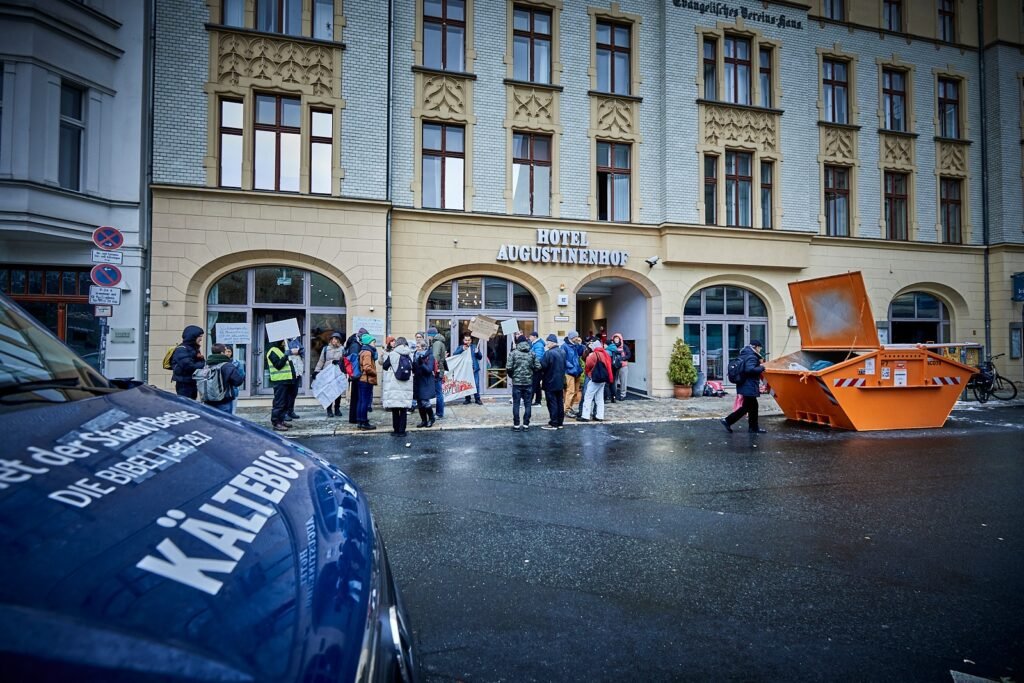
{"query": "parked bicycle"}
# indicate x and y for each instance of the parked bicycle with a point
(988, 382)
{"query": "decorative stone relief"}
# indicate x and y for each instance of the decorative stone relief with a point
(952, 158)
(444, 96)
(243, 58)
(533, 107)
(725, 125)
(839, 144)
(897, 151)
(616, 119)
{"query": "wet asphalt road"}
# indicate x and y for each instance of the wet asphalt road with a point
(678, 552)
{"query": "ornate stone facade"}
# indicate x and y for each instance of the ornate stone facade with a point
(244, 60)
(444, 97)
(615, 119)
(723, 125)
(838, 145)
(533, 108)
(896, 152)
(951, 158)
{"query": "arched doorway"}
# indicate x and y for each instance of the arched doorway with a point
(244, 301)
(609, 305)
(453, 304)
(918, 318)
(719, 321)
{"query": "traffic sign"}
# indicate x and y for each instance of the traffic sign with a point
(104, 295)
(103, 311)
(100, 256)
(105, 275)
(107, 238)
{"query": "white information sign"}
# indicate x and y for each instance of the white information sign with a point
(104, 295)
(869, 366)
(100, 256)
(899, 378)
(374, 326)
(233, 333)
(103, 311)
(886, 373)
(509, 326)
(282, 329)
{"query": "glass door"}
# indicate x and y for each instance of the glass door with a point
(239, 351)
(261, 346)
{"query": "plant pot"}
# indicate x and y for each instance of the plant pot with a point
(682, 390)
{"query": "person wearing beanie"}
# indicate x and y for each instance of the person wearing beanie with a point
(622, 374)
(599, 372)
(437, 347)
(397, 393)
(520, 369)
(613, 352)
(537, 347)
(332, 353)
(477, 356)
(186, 359)
(573, 371)
(423, 390)
(553, 371)
(748, 387)
(352, 347)
(367, 380)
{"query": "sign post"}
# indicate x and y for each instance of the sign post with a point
(105, 276)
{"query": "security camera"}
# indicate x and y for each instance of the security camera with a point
(651, 261)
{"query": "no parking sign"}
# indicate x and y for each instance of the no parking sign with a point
(105, 275)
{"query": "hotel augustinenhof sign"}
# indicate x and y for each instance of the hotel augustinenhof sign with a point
(562, 246)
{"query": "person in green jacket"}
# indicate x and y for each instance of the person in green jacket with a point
(520, 367)
(282, 378)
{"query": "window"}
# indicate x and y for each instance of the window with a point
(949, 108)
(765, 70)
(444, 34)
(531, 45)
(321, 138)
(917, 318)
(737, 70)
(613, 171)
(837, 201)
(952, 218)
(323, 19)
(710, 69)
(719, 321)
(230, 143)
(613, 71)
(276, 154)
(834, 9)
(737, 189)
(894, 99)
(531, 174)
(947, 20)
(234, 13)
(710, 189)
(279, 16)
(1, 98)
(892, 15)
(444, 159)
(767, 171)
(896, 205)
(72, 128)
(836, 91)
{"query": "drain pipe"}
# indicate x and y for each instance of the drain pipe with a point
(145, 191)
(984, 174)
(387, 172)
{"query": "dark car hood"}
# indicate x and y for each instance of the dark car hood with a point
(147, 537)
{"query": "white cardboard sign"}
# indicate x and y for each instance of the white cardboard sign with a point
(509, 326)
(233, 333)
(282, 329)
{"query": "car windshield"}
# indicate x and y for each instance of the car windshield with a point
(36, 367)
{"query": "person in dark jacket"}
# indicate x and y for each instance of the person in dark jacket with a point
(553, 369)
(520, 368)
(424, 387)
(231, 374)
(367, 379)
(438, 348)
(185, 360)
(467, 346)
(352, 345)
(748, 387)
(282, 379)
(537, 347)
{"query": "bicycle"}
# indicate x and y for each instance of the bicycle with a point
(988, 382)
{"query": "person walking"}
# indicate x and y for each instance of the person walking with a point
(520, 368)
(621, 379)
(467, 346)
(573, 371)
(333, 353)
(282, 379)
(599, 373)
(397, 386)
(424, 389)
(436, 341)
(553, 369)
(367, 380)
(231, 376)
(186, 359)
(748, 387)
(537, 347)
(352, 345)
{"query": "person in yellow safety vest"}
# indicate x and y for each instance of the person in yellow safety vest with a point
(282, 378)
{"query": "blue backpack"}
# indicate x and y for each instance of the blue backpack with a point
(403, 371)
(353, 359)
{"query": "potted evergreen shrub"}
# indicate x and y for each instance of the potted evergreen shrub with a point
(681, 371)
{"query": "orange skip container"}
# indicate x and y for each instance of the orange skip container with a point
(868, 386)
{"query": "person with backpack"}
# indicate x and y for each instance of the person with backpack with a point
(352, 345)
(397, 387)
(437, 347)
(367, 380)
(537, 347)
(573, 371)
(186, 358)
(623, 373)
(553, 370)
(599, 372)
(332, 353)
(467, 345)
(616, 357)
(746, 373)
(226, 376)
(521, 366)
(424, 369)
(282, 379)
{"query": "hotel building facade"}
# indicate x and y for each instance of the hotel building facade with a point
(659, 168)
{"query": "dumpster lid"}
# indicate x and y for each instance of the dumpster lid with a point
(834, 313)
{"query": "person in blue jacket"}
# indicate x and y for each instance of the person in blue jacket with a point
(467, 345)
(748, 387)
(537, 347)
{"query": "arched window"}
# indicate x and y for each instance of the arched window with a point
(719, 321)
(918, 318)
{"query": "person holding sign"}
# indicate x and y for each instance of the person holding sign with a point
(334, 354)
(467, 345)
(282, 379)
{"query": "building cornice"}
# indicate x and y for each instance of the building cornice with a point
(895, 34)
(71, 194)
(291, 199)
(36, 16)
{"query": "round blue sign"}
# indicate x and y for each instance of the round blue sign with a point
(107, 238)
(105, 275)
